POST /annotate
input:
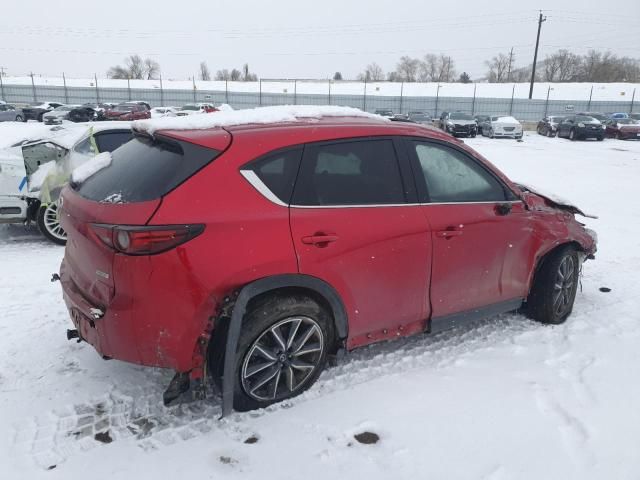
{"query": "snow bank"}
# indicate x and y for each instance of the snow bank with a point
(97, 163)
(260, 115)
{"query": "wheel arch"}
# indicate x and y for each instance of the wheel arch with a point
(546, 254)
(316, 288)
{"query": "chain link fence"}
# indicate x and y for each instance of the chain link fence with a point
(522, 109)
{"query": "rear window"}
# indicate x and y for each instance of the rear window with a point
(109, 141)
(145, 169)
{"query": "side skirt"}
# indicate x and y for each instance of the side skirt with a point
(439, 324)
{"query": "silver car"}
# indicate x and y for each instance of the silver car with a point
(9, 113)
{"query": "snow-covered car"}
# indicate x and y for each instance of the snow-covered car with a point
(502, 127)
(384, 112)
(196, 109)
(69, 113)
(164, 112)
(9, 113)
(33, 172)
(36, 110)
(458, 124)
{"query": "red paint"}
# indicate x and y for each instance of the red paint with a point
(392, 266)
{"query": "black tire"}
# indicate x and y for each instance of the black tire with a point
(549, 133)
(552, 294)
(19, 118)
(600, 139)
(280, 312)
(491, 133)
(473, 135)
(572, 135)
(41, 117)
(46, 224)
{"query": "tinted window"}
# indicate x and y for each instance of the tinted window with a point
(108, 142)
(451, 176)
(143, 170)
(349, 173)
(278, 172)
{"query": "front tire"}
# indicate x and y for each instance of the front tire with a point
(572, 135)
(555, 285)
(282, 350)
(49, 223)
(19, 118)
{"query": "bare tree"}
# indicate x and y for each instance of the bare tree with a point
(373, 73)
(407, 69)
(135, 65)
(436, 68)
(205, 74)
(151, 69)
(235, 75)
(464, 78)
(118, 72)
(337, 76)
(135, 68)
(223, 74)
(498, 68)
(447, 69)
(248, 76)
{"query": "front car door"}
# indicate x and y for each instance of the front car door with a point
(480, 233)
(353, 226)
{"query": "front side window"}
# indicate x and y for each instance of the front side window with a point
(452, 177)
(349, 173)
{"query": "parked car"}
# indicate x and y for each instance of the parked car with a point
(622, 128)
(577, 127)
(99, 109)
(164, 112)
(421, 117)
(9, 113)
(69, 113)
(33, 172)
(635, 116)
(458, 124)
(384, 112)
(601, 117)
(277, 265)
(36, 110)
(481, 120)
(548, 126)
(615, 116)
(502, 127)
(196, 108)
(129, 111)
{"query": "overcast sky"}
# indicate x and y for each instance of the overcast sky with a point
(298, 38)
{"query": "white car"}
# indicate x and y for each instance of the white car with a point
(158, 112)
(499, 127)
(196, 109)
(32, 172)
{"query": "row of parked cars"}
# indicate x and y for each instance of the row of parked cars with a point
(54, 113)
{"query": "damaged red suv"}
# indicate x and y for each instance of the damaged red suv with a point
(249, 253)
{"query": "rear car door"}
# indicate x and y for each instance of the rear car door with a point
(480, 235)
(353, 227)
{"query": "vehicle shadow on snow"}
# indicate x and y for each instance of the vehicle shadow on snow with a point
(23, 234)
(133, 410)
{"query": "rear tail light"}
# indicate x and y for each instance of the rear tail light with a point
(145, 240)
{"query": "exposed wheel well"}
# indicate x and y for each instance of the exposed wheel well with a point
(542, 259)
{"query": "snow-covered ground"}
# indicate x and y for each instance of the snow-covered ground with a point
(504, 398)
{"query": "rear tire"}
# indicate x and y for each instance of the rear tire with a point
(19, 118)
(269, 364)
(49, 224)
(572, 135)
(554, 287)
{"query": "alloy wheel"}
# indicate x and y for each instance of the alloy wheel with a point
(563, 286)
(52, 221)
(282, 359)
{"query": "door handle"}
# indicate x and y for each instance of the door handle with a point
(319, 239)
(448, 233)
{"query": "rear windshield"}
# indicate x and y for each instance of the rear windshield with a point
(145, 169)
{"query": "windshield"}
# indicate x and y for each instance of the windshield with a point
(191, 107)
(419, 116)
(556, 119)
(598, 116)
(584, 118)
(460, 116)
(123, 108)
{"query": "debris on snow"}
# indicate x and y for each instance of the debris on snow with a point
(367, 438)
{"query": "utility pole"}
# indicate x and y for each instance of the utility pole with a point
(510, 63)
(541, 19)
(2, 74)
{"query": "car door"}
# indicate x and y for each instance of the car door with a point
(480, 233)
(565, 127)
(353, 227)
(5, 113)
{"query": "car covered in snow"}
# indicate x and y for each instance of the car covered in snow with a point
(196, 109)
(251, 249)
(157, 112)
(581, 127)
(548, 126)
(623, 128)
(32, 172)
(128, 111)
(69, 113)
(9, 113)
(458, 124)
(502, 127)
(36, 110)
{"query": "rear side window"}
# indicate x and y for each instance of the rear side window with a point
(145, 169)
(108, 142)
(452, 177)
(362, 172)
(278, 172)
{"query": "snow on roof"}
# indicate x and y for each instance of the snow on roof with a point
(260, 115)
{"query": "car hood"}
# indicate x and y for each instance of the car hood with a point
(55, 114)
(502, 123)
(554, 201)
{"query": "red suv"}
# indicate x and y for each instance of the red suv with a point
(129, 111)
(249, 253)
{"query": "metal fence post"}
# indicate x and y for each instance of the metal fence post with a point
(194, 88)
(435, 113)
(129, 88)
(364, 97)
(473, 103)
(401, 94)
(513, 91)
(260, 93)
(633, 97)
(295, 92)
(226, 91)
(33, 88)
(329, 91)
(161, 92)
(546, 105)
(590, 95)
(95, 76)
(2, 88)
(66, 92)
